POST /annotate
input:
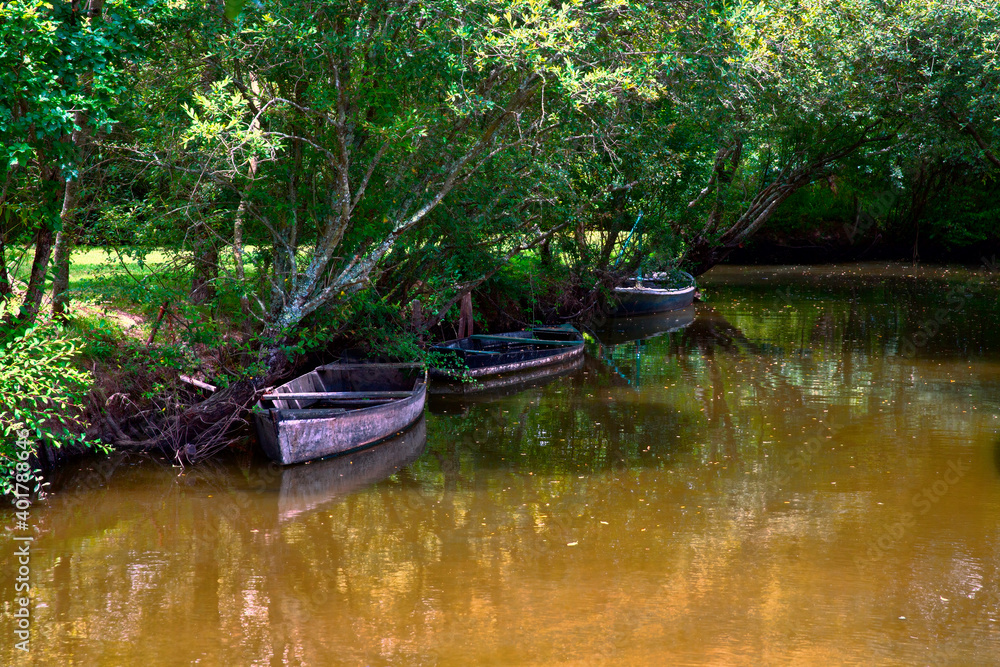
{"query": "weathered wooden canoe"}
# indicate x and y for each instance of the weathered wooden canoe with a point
(652, 295)
(490, 359)
(307, 487)
(339, 408)
(503, 384)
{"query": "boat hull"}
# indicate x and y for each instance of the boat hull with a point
(644, 301)
(291, 433)
(491, 370)
(511, 380)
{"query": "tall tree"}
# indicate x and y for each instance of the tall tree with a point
(338, 129)
(57, 75)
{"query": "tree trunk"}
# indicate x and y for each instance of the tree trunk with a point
(48, 196)
(206, 269)
(417, 319)
(465, 319)
(241, 212)
(44, 238)
(545, 252)
(65, 240)
(6, 289)
(708, 249)
(241, 278)
(609, 247)
(60, 276)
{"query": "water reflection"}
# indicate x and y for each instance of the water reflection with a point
(621, 342)
(783, 484)
(308, 486)
(620, 330)
(996, 455)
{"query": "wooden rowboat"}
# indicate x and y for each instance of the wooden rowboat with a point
(653, 295)
(504, 384)
(488, 359)
(339, 408)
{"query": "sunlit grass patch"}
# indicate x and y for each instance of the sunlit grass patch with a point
(91, 263)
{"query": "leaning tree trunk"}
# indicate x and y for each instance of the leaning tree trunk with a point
(707, 252)
(65, 240)
(44, 238)
(707, 249)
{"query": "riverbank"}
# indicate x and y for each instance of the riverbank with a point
(137, 372)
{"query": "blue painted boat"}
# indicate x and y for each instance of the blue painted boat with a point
(655, 294)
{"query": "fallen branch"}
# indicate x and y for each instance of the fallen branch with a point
(197, 383)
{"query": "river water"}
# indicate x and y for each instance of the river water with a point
(806, 470)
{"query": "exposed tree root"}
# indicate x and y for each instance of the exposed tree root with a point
(193, 433)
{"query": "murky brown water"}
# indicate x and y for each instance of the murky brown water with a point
(808, 473)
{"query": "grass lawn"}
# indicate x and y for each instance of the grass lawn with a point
(86, 263)
(104, 285)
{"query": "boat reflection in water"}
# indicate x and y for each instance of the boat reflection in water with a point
(642, 327)
(310, 485)
(623, 339)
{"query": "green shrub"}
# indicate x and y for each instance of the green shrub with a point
(41, 392)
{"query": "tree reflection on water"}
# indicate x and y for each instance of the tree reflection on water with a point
(726, 491)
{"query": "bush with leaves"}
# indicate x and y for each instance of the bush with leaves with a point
(41, 391)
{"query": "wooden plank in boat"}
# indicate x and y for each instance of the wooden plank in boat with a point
(449, 348)
(316, 413)
(532, 341)
(334, 395)
(337, 366)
